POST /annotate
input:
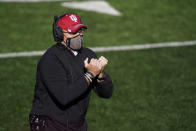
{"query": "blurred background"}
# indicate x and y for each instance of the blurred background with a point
(155, 89)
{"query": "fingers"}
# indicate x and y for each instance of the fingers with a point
(86, 62)
(103, 61)
(95, 62)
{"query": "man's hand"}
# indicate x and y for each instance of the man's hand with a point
(103, 61)
(93, 67)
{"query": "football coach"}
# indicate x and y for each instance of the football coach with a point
(66, 74)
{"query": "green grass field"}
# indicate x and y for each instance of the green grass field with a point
(154, 89)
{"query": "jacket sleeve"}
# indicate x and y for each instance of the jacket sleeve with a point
(105, 88)
(57, 82)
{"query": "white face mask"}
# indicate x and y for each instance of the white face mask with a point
(75, 43)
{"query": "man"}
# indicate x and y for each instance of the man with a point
(66, 74)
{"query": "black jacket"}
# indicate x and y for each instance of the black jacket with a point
(61, 90)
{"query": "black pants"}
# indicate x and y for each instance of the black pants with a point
(44, 123)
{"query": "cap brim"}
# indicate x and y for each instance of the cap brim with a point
(77, 27)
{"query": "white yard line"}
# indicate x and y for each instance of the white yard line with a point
(96, 6)
(109, 48)
(99, 6)
(144, 46)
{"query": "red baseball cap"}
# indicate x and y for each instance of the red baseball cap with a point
(71, 23)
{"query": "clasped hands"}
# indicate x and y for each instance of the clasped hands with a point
(96, 66)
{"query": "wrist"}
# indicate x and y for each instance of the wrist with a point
(89, 76)
(101, 76)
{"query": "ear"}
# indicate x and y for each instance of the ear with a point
(67, 41)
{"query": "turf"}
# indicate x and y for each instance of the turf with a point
(154, 89)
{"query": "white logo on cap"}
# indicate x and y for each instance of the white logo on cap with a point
(73, 18)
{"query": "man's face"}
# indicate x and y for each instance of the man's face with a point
(75, 39)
